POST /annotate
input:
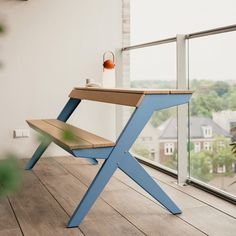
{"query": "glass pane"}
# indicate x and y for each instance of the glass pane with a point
(213, 110)
(155, 67)
(157, 19)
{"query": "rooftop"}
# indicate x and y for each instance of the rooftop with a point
(169, 128)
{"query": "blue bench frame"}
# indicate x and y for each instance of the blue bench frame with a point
(119, 155)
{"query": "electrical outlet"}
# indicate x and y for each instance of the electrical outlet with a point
(25, 133)
(21, 133)
(17, 133)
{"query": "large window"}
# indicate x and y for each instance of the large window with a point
(211, 74)
(158, 140)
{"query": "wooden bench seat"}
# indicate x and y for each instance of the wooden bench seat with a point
(57, 130)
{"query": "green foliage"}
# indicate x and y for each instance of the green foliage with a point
(10, 175)
(190, 146)
(209, 96)
(172, 162)
(69, 135)
(204, 164)
(205, 104)
(161, 116)
(2, 29)
(200, 166)
(66, 135)
(42, 138)
(212, 96)
(220, 87)
(10, 172)
(230, 100)
(141, 150)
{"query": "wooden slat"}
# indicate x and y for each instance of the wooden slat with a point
(37, 211)
(139, 210)
(136, 90)
(127, 99)
(68, 191)
(8, 223)
(57, 135)
(95, 140)
(194, 192)
(195, 211)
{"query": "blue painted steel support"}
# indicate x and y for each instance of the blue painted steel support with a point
(68, 109)
(120, 152)
(103, 176)
(36, 156)
(98, 153)
(64, 115)
(135, 171)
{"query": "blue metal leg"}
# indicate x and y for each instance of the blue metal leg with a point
(131, 167)
(135, 171)
(63, 116)
(67, 112)
(38, 153)
(93, 192)
(93, 161)
(68, 109)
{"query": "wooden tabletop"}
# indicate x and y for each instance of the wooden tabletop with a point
(136, 90)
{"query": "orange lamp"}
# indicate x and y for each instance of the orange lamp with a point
(108, 63)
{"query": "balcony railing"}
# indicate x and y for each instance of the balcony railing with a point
(186, 161)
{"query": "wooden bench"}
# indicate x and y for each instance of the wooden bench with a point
(87, 145)
(57, 130)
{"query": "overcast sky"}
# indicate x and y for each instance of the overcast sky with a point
(211, 57)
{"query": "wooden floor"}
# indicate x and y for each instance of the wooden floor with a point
(53, 189)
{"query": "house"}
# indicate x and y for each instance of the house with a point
(149, 139)
(227, 120)
(203, 131)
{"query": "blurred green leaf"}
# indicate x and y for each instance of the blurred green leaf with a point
(2, 29)
(10, 174)
(69, 135)
(233, 149)
(43, 138)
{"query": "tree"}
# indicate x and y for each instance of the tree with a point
(161, 116)
(140, 149)
(200, 166)
(220, 87)
(204, 104)
(10, 173)
(2, 28)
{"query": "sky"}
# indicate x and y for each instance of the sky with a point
(212, 57)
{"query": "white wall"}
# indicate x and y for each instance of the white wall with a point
(50, 47)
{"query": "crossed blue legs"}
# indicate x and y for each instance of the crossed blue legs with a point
(39, 152)
(134, 170)
(105, 173)
(36, 156)
(120, 158)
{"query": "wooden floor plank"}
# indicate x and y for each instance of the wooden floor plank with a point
(101, 220)
(210, 220)
(201, 215)
(136, 208)
(37, 211)
(57, 185)
(199, 194)
(8, 223)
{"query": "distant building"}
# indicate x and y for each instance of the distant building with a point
(150, 139)
(202, 133)
(162, 141)
(227, 120)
